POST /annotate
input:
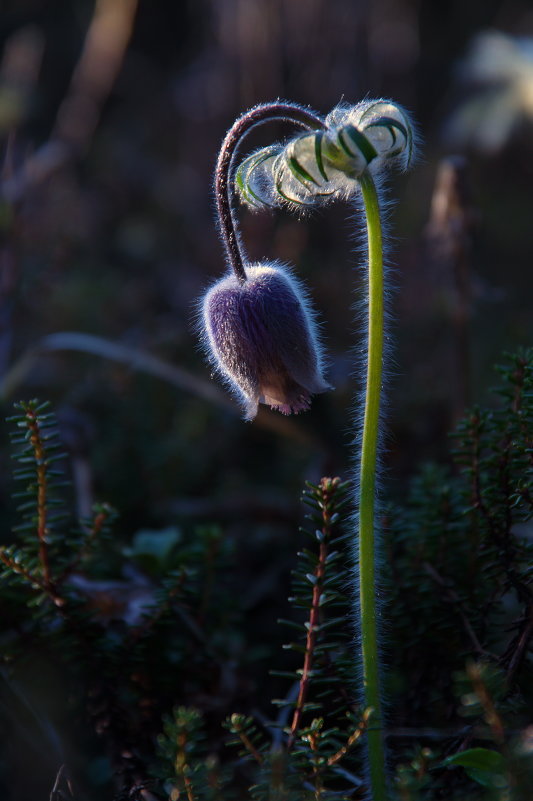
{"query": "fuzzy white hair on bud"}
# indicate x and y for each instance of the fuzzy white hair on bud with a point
(321, 165)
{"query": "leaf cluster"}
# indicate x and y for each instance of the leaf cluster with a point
(460, 552)
(119, 642)
(153, 643)
(306, 751)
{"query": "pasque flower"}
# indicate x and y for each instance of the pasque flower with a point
(261, 336)
(325, 164)
(260, 331)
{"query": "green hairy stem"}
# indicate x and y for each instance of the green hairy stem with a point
(367, 490)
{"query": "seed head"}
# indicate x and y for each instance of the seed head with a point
(261, 335)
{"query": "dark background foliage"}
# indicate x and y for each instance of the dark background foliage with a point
(117, 240)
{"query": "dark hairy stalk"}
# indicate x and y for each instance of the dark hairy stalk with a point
(267, 112)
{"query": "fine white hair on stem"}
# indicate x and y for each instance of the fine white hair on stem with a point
(360, 362)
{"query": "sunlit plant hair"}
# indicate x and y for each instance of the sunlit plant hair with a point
(261, 334)
(262, 338)
(327, 164)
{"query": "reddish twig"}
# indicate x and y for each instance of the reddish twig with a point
(16, 567)
(327, 486)
(100, 519)
(245, 740)
(454, 599)
(41, 466)
(352, 740)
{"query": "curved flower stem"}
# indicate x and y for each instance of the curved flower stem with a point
(367, 490)
(266, 112)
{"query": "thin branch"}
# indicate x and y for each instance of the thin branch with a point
(41, 467)
(454, 599)
(327, 487)
(61, 779)
(146, 363)
(100, 519)
(353, 739)
(245, 740)
(517, 649)
(313, 628)
(16, 567)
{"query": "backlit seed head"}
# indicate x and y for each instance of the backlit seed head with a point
(261, 335)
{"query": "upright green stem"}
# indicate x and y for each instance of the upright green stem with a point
(367, 490)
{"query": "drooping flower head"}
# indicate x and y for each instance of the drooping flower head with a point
(261, 335)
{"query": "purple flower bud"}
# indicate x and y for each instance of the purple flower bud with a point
(261, 336)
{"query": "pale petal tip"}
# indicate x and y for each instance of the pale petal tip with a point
(295, 407)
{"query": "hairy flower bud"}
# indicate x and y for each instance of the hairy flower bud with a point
(261, 336)
(327, 163)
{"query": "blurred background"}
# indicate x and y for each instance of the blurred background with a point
(111, 116)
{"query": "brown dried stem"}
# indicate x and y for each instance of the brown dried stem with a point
(353, 739)
(245, 740)
(16, 567)
(41, 466)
